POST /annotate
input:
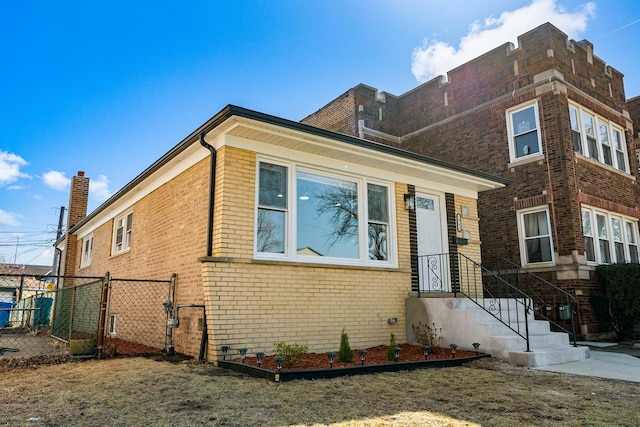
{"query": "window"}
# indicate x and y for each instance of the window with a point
(113, 320)
(378, 206)
(536, 244)
(621, 162)
(321, 217)
(603, 132)
(87, 248)
(631, 241)
(524, 132)
(272, 208)
(617, 237)
(597, 138)
(122, 233)
(592, 147)
(587, 230)
(575, 129)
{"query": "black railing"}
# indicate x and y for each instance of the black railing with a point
(456, 273)
(550, 302)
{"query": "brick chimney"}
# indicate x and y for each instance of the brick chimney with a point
(77, 210)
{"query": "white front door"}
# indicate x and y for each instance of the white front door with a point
(433, 265)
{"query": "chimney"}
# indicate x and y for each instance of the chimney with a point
(77, 210)
(78, 199)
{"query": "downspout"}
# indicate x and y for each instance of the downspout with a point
(212, 188)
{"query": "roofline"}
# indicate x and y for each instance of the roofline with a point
(232, 110)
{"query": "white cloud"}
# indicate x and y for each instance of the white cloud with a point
(10, 167)
(56, 180)
(99, 188)
(9, 218)
(435, 57)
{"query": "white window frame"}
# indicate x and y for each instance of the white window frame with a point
(87, 251)
(113, 323)
(513, 133)
(607, 235)
(123, 221)
(522, 236)
(291, 252)
(604, 132)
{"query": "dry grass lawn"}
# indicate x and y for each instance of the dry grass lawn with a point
(145, 392)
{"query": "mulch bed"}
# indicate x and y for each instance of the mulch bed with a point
(375, 356)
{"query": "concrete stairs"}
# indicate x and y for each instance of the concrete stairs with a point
(464, 322)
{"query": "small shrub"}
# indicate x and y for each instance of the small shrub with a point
(429, 335)
(345, 354)
(391, 355)
(291, 352)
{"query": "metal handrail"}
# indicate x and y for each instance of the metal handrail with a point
(457, 273)
(550, 302)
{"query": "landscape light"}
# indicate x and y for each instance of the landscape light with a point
(331, 355)
(363, 352)
(426, 349)
(476, 345)
(453, 349)
(396, 353)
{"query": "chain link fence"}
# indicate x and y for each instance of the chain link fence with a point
(81, 316)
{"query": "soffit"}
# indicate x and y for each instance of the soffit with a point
(412, 165)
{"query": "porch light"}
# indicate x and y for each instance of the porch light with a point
(279, 361)
(259, 356)
(363, 352)
(396, 353)
(409, 202)
(476, 346)
(331, 355)
(426, 349)
(225, 350)
(243, 354)
(453, 348)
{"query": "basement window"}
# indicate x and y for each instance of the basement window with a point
(113, 321)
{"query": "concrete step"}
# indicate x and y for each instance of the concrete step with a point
(548, 356)
(464, 323)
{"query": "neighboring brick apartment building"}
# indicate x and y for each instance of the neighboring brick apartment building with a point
(283, 231)
(551, 117)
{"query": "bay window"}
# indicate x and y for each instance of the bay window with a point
(597, 138)
(306, 215)
(616, 235)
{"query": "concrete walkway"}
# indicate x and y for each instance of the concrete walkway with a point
(606, 361)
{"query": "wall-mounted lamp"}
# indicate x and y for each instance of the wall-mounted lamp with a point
(409, 202)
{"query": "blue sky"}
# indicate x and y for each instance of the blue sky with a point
(107, 88)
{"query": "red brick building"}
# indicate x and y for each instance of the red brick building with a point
(551, 117)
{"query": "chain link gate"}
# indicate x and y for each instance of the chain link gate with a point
(45, 316)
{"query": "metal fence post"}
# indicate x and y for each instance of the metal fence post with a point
(103, 314)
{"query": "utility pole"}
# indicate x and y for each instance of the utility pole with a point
(56, 259)
(60, 219)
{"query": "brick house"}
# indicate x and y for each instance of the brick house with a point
(551, 117)
(282, 230)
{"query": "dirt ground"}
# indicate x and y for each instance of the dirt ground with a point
(146, 391)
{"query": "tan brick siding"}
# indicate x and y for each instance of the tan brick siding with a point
(168, 236)
(254, 305)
